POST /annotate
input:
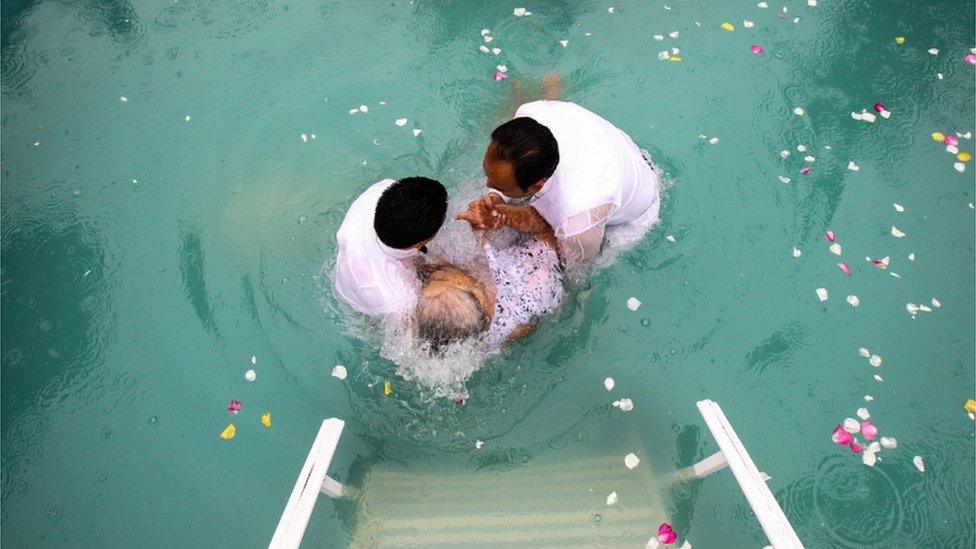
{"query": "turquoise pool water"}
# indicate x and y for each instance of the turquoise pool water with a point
(151, 247)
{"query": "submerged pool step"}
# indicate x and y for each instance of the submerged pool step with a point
(538, 504)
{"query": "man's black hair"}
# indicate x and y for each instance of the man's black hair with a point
(410, 211)
(529, 146)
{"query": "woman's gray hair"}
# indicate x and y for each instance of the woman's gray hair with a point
(450, 315)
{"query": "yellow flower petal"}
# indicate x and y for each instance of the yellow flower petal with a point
(964, 157)
(229, 432)
(675, 59)
(387, 388)
(971, 406)
(938, 136)
(266, 419)
(899, 40)
(728, 26)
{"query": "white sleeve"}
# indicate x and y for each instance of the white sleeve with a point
(581, 236)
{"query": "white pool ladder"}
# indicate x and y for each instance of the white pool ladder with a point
(752, 482)
(312, 480)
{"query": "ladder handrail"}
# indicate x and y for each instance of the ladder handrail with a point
(771, 517)
(294, 520)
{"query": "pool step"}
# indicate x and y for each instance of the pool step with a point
(555, 504)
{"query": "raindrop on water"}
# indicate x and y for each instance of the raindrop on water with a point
(645, 322)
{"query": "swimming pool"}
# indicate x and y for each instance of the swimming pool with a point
(164, 220)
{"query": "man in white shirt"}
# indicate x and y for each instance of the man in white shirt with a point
(580, 174)
(383, 233)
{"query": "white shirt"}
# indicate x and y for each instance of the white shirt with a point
(370, 276)
(602, 179)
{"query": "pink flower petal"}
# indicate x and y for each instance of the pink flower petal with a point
(841, 436)
(844, 268)
(234, 406)
(666, 535)
(664, 527)
(756, 49)
(499, 76)
(880, 263)
(829, 236)
(856, 448)
(806, 170)
(879, 107)
(869, 430)
(971, 58)
(951, 139)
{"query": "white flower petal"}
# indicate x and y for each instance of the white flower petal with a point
(796, 252)
(363, 109)
(936, 303)
(565, 43)
(898, 207)
(869, 459)
(863, 413)
(784, 154)
(959, 166)
(878, 378)
(934, 51)
(670, 238)
(852, 425)
(853, 300)
(631, 461)
(801, 148)
(400, 122)
(875, 361)
(673, 34)
(919, 464)
(889, 442)
(713, 140)
(822, 294)
(835, 248)
(747, 24)
(864, 352)
(868, 398)
(612, 499)
(417, 132)
(633, 303)
(339, 372)
(895, 232)
(250, 375)
(254, 359)
(785, 180)
(608, 383)
(659, 37)
(518, 12)
(911, 256)
(478, 444)
(798, 111)
(483, 48)
(852, 166)
(624, 404)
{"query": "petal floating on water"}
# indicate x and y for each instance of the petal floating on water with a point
(829, 236)
(228, 432)
(633, 303)
(864, 352)
(844, 268)
(889, 442)
(869, 430)
(919, 464)
(875, 361)
(250, 375)
(856, 447)
(895, 232)
(822, 294)
(631, 461)
(339, 372)
(612, 499)
(234, 406)
(841, 436)
(852, 425)
(608, 383)
(266, 419)
(853, 300)
(728, 26)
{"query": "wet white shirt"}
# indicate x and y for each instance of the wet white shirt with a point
(603, 179)
(370, 276)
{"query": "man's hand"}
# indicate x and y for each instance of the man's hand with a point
(479, 213)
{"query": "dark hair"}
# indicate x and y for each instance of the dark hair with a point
(529, 146)
(410, 211)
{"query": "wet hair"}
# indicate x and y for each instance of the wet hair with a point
(410, 211)
(529, 146)
(449, 316)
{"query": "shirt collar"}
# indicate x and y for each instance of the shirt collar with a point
(546, 187)
(394, 252)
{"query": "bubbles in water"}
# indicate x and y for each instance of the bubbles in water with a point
(645, 322)
(597, 518)
(76, 192)
(153, 420)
